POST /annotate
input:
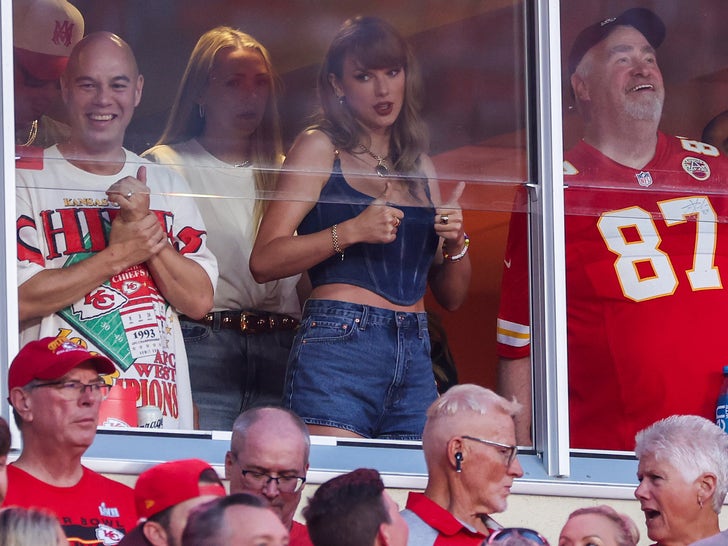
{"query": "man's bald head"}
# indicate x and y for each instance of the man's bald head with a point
(90, 45)
(271, 418)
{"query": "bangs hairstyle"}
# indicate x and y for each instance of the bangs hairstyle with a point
(372, 43)
(185, 122)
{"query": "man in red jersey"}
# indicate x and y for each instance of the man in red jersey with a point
(56, 391)
(645, 252)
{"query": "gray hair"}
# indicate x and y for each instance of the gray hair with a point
(249, 417)
(473, 398)
(693, 445)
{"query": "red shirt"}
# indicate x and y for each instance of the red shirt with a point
(450, 531)
(646, 289)
(97, 510)
(299, 535)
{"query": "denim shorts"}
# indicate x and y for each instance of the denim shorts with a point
(361, 368)
(231, 372)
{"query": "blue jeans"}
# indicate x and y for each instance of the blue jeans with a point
(363, 369)
(231, 372)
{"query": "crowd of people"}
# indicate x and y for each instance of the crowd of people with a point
(287, 297)
(56, 389)
(198, 300)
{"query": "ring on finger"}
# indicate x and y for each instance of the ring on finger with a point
(128, 195)
(444, 219)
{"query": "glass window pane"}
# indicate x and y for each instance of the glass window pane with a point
(645, 215)
(473, 71)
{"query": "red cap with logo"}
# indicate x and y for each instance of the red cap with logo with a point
(51, 358)
(171, 483)
(44, 33)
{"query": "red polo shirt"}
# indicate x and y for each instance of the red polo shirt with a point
(451, 532)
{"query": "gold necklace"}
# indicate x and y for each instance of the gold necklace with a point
(381, 168)
(32, 134)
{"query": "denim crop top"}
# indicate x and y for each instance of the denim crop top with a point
(396, 271)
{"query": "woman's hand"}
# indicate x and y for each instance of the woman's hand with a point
(449, 220)
(378, 223)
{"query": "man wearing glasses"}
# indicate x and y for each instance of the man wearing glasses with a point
(268, 456)
(56, 391)
(469, 445)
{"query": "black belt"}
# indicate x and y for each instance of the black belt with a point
(247, 322)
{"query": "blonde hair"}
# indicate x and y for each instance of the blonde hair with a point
(627, 532)
(28, 527)
(185, 122)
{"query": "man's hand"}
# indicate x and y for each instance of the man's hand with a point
(136, 233)
(132, 196)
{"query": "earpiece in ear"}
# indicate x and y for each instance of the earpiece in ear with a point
(458, 462)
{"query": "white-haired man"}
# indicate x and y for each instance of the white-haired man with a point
(469, 444)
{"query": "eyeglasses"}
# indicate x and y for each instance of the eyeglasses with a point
(71, 389)
(285, 484)
(518, 535)
(509, 452)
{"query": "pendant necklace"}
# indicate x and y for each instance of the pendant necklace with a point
(246, 163)
(32, 134)
(381, 168)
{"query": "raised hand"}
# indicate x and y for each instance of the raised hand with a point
(136, 232)
(132, 196)
(449, 217)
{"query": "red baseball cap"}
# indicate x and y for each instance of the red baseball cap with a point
(44, 33)
(50, 358)
(168, 484)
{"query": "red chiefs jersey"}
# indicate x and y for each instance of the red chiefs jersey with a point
(646, 263)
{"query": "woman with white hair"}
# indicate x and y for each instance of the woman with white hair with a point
(683, 474)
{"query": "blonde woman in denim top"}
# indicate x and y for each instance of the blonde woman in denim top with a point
(372, 231)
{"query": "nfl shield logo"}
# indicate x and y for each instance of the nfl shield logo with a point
(644, 179)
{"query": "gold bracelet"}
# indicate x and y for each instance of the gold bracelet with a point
(460, 255)
(335, 241)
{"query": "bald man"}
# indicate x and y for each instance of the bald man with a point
(268, 456)
(107, 255)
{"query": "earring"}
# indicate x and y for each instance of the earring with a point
(342, 100)
(201, 109)
(700, 501)
(458, 462)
